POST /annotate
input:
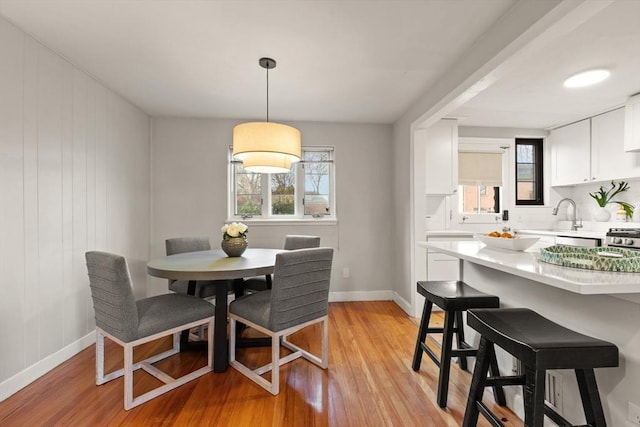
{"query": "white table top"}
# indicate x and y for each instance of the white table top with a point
(525, 264)
(214, 265)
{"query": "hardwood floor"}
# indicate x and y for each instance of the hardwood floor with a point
(369, 383)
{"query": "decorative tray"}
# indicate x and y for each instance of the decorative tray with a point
(599, 258)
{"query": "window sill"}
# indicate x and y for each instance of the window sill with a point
(287, 221)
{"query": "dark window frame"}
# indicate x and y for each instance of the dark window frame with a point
(537, 144)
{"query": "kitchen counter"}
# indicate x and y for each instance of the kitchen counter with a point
(569, 233)
(525, 264)
(449, 233)
(604, 305)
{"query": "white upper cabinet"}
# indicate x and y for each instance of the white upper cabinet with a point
(570, 153)
(608, 159)
(592, 150)
(441, 150)
(632, 124)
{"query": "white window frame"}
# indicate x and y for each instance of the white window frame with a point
(488, 145)
(267, 216)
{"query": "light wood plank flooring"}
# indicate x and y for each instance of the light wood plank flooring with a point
(369, 383)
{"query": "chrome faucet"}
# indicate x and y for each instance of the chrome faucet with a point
(574, 226)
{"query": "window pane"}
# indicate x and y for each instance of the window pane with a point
(469, 198)
(479, 199)
(525, 154)
(316, 183)
(529, 190)
(526, 172)
(283, 193)
(248, 191)
(526, 190)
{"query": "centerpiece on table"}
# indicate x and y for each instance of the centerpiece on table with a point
(234, 239)
(604, 197)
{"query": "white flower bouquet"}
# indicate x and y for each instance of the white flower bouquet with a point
(235, 229)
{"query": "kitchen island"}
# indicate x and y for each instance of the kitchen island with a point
(604, 305)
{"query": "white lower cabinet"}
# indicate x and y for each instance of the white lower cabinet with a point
(442, 267)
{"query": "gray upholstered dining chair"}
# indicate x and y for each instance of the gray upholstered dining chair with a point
(131, 323)
(298, 298)
(291, 242)
(179, 245)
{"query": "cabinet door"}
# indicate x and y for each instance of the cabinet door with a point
(608, 158)
(441, 161)
(632, 124)
(570, 153)
(442, 267)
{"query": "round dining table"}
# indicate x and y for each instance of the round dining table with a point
(215, 265)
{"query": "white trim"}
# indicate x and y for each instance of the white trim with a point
(403, 304)
(28, 375)
(361, 296)
(257, 221)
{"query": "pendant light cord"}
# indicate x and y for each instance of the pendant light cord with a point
(267, 94)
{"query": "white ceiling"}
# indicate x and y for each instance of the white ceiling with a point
(532, 94)
(342, 60)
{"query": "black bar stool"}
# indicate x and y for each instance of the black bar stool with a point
(540, 345)
(453, 297)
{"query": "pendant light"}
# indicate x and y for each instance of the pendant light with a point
(266, 147)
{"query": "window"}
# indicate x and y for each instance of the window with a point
(480, 182)
(529, 184)
(306, 191)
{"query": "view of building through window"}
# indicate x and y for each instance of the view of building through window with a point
(479, 199)
(529, 190)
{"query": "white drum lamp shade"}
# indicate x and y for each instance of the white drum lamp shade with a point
(266, 147)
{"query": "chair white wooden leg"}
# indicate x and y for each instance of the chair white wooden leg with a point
(99, 357)
(129, 367)
(275, 364)
(128, 376)
(276, 361)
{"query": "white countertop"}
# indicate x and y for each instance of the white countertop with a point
(450, 233)
(579, 233)
(525, 264)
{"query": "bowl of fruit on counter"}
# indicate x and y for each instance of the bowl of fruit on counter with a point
(506, 240)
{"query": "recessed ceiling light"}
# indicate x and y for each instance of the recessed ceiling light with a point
(586, 78)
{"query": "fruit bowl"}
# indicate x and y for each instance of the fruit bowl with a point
(512, 244)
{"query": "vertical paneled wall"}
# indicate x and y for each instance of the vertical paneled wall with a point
(74, 176)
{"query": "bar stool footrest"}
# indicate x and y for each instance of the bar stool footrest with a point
(556, 417)
(466, 352)
(431, 354)
(490, 416)
(505, 381)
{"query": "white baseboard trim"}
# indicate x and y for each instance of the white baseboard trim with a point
(25, 377)
(403, 303)
(361, 296)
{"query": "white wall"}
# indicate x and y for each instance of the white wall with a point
(190, 195)
(74, 175)
(484, 62)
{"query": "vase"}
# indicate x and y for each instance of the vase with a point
(601, 214)
(235, 246)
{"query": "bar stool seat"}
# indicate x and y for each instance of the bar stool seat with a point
(453, 297)
(539, 344)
